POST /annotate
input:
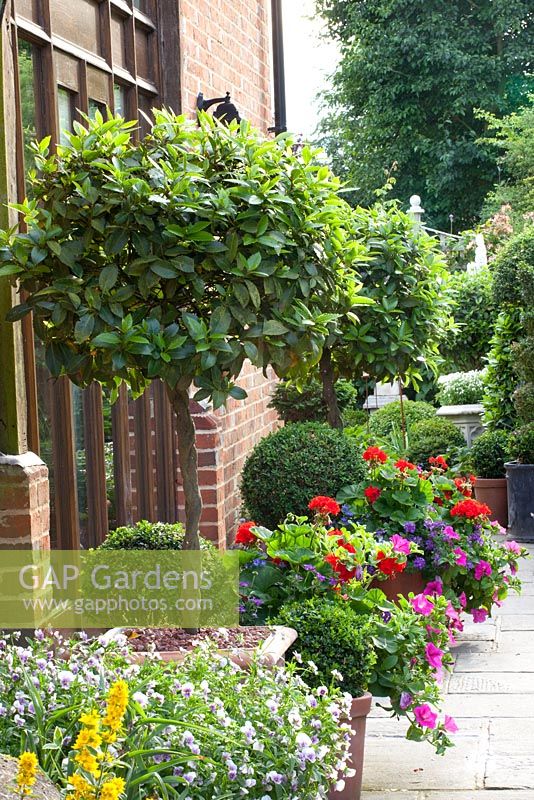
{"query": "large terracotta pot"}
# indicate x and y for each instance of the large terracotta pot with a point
(360, 708)
(494, 493)
(403, 584)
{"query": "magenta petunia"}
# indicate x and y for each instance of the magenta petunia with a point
(422, 604)
(450, 533)
(462, 599)
(400, 544)
(449, 724)
(461, 556)
(425, 717)
(434, 587)
(481, 569)
(434, 655)
(479, 614)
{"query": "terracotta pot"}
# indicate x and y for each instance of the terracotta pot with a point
(494, 493)
(360, 708)
(271, 650)
(402, 583)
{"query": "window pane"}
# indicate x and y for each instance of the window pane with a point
(27, 98)
(119, 99)
(65, 112)
(95, 106)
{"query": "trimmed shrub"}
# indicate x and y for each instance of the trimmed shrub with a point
(489, 453)
(355, 416)
(522, 444)
(334, 637)
(500, 379)
(459, 388)
(387, 420)
(474, 314)
(146, 535)
(290, 466)
(307, 405)
(523, 398)
(513, 271)
(433, 437)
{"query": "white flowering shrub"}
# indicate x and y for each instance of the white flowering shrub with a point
(461, 388)
(201, 729)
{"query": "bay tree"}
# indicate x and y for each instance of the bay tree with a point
(178, 257)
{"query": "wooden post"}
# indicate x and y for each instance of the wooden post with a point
(13, 413)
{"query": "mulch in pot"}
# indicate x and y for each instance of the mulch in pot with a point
(164, 640)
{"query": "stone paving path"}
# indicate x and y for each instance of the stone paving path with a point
(491, 696)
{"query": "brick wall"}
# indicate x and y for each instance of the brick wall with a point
(226, 46)
(24, 506)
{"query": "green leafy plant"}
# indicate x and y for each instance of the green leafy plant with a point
(147, 536)
(523, 399)
(467, 344)
(522, 444)
(513, 270)
(178, 257)
(334, 637)
(305, 403)
(433, 437)
(459, 388)
(489, 453)
(386, 420)
(500, 378)
(293, 464)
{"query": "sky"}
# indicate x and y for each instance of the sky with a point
(308, 61)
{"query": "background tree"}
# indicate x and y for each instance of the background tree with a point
(178, 258)
(411, 75)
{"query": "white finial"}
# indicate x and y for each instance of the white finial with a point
(415, 210)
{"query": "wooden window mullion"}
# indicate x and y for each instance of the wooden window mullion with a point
(165, 455)
(121, 458)
(144, 468)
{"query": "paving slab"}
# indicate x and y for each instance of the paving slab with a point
(515, 642)
(489, 706)
(495, 683)
(478, 632)
(513, 605)
(494, 662)
(510, 758)
(518, 622)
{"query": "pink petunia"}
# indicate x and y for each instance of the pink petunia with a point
(400, 544)
(434, 587)
(425, 717)
(461, 556)
(450, 533)
(462, 599)
(481, 569)
(434, 655)
(513, 547)
(452, 613)
(422, 604)
(449, 724)
(479, 614)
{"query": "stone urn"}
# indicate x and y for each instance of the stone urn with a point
(468, 418)
(43, 788)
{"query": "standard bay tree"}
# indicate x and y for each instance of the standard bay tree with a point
(177, 258)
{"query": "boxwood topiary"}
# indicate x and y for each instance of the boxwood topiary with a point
(433, 437)
(308, 405)
(488, 454)
(290, 466)
(384, 421)
(334, 637)
(148, 536)
(522, 444)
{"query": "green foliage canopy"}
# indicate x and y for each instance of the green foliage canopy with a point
(411, 77)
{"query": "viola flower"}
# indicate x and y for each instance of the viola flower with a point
(481, 569)
(244, 533)
(434, 656)
(422, 605)
(372, 494)
(325, 506)
(461, 556)
(375, 454)
(425, 717)
(479, 614)
(470, 509)
(403, 465)
(449, 724)
(450, 533)
(400, 544)
(405, 701)
(434, 587)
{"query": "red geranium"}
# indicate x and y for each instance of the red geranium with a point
(375, 454)
(470, 509)
(388, 565)
(324, 505)
(439, 462)
(244, 533)
(437, 501)
(464, 486)
(344, 574)
(403, 465)
(372, 493)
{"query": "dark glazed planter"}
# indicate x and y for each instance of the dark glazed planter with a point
(403, 584)
(520, 500)
(494, 493)
(360, 708)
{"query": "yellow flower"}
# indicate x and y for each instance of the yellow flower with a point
(87, 737)
(116, 706)
(88, 762)
(27, 770)
(91, 720)
(82, 788)
(112, 789)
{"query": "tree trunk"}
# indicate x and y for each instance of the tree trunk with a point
(402, 415)
(187, 455)
(333, 414)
